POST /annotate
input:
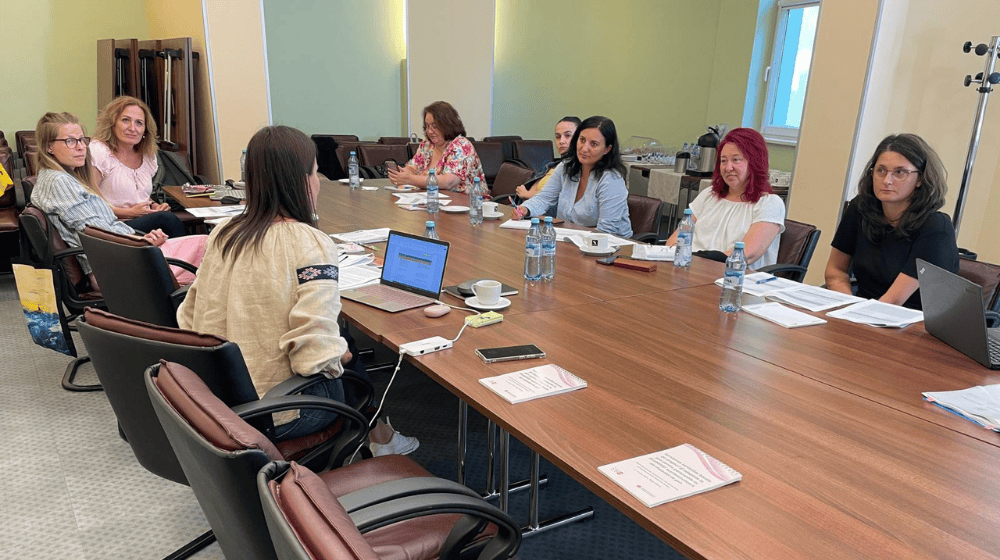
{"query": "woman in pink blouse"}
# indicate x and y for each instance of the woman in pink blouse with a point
(123, 162)
(446, 150)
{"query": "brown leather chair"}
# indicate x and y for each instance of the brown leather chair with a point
(491, 156)
(645, 213)
(795, 250)
(25, 141)
(508, 145)
(509, 177)
(42, 247)
(404, 140)
(373, 156)
(987, 276)
(327, 161)
(221, 455)
(308, 522)
(9, 199)
(344, 149)
(536, 154)
(411, 149)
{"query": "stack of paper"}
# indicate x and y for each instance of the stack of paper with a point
(670, 475)
(533, 383)
(980, 404)
(417, 200)
(644, 252)
(777, 313)
(762, 284)
(363, 236)
(814, 298)
(878, 314)
(566, 234)
(217, 211)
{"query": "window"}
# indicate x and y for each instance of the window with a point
(788, 74)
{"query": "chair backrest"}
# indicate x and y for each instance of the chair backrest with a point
(372, 155)
(509, 177)
(27, 186)
(326, 157)
(797, 244)
(411, 149)
(491, 156)
(645, 213)
(394, 140)
(304, 518)
(344, 149)
(135, 278)
(220, 454)
(986, 275)
(507, 142)
(38, 247)
(25, 141)
(121, 349)
(536, 153)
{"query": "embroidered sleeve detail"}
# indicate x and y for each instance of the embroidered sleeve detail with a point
(318, 272)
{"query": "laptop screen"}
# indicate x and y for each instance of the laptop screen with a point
(415, 263)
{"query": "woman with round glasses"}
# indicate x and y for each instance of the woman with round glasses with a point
(892, 221)
(123, 162)
(446, 150)
(65, 193)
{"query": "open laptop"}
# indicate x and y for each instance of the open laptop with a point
(411, 274)
(954, 312)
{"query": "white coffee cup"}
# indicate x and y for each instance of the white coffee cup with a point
(596, 242)
(490, 207)
(487, 291)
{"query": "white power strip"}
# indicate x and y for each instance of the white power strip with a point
(425, 346)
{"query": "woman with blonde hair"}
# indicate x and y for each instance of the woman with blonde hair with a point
(64, 192)
(123, 162)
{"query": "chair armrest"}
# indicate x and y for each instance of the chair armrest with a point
(298, 383)
(503, 198)
(367, 172)
(295, 402)
(799, 271)
(182, 264)
(646, 237)
(65, 253)
(506, 542)
(992, 319)
(178, 295)
(402, 488)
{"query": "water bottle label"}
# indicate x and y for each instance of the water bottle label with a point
(532, 251)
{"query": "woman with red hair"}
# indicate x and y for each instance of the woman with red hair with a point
(740, 206)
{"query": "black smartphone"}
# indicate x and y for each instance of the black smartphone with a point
(608, 260)
(507, 353)
(391, 165)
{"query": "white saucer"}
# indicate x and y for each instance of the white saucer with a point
(455, 209)
(473, 302)
(348, 181)
(609, 251)
(496, 216)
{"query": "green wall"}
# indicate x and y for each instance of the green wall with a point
(50, 63)
(336, 67)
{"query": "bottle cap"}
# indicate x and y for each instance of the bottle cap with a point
(430, 223)
(534, 221)
(688, 212)
(548, 219)
(739, 244)
(476, 180)
(352, 152)
(432, 172)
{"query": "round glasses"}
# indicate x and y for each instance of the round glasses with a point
(898, 174)
(72, 142)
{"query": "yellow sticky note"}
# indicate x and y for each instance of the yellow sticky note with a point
(5, 180)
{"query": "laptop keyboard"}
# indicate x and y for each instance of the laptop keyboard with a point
(993, 344)
(394, 295)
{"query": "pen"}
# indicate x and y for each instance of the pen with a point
(767, 280)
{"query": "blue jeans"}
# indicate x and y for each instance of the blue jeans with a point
(167, 221)
(312, 420)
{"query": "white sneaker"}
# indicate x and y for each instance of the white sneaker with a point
(398, 444)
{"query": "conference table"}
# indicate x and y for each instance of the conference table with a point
(840, 456)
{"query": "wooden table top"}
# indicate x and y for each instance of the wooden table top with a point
(839, 455)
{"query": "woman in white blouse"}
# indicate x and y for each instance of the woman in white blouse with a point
(123, 162)
(740, 206)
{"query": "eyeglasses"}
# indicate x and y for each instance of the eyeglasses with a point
(898, 174)
(71, 142)
(428, 126)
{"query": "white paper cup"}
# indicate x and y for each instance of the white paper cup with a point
(487, 291)
(490, 207)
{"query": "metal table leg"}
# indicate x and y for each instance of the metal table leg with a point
(534, 526)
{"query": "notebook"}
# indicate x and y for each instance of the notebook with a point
(955, 314)
(411, 274)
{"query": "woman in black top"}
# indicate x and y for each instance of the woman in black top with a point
(893, 221)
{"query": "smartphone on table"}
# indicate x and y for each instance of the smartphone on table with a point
(508, 353)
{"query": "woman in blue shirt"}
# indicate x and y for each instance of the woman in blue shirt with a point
(588, 187)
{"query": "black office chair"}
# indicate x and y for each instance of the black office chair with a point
(307, 521)
(327, 161)
(646, 214)
(508, 145)
(491, 157)
(536, 154)
(795, 250)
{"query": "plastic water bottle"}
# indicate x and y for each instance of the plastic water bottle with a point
(476, 203)
(695, 156)
(243, 167)
(352, 171)
(732, 284)
(548, 268)
(532, 253)
(433, 205)
(685, 237)
(430, 232)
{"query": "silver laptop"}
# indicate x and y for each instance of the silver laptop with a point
(955, 313)
(411, 274)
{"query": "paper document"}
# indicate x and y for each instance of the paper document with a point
(217, 211)
(643, 252)
(980, 404)
(777, 313)
(878, 314)
(347, 261)
(363, 236)
(358, 276)
(533, 383)
(762, 283)
(565, 234)
(814, 298)
(670, 475)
